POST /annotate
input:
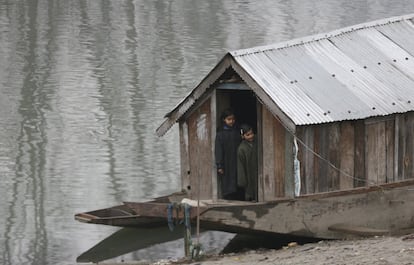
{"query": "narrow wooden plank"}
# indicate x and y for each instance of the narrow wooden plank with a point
(214, 120)
(382, 153)
(317, 160)
(201, 160)
(375, 153)
(401, 147)
(333, 157)
(370, 154)
(409, 152)
(269, 176)
(396, 146)
(260, 150)
(307, 160)
(359, 172)
(390, 143)
(280, 159)
(323, 144)
(347, 155)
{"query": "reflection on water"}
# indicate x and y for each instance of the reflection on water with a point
(151, 245)
(84, 84)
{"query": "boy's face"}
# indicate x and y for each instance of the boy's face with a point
(230, 120)
(249, 136)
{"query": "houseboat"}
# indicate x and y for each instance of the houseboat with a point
(334, 119)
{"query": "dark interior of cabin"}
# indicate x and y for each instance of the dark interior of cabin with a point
(233, 93)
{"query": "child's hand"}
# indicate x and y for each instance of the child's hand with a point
(220, 171)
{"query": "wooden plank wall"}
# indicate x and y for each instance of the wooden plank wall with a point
(333, 156)
(273, 139)
(200, 151)
(405, 148)
(356, 153)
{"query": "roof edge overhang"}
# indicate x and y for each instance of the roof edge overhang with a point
(174, 115)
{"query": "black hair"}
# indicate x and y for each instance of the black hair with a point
(226, 113)
(244, 128)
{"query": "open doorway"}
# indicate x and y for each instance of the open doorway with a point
(242, 102)
(241, 99)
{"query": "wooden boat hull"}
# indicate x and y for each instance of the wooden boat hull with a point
(379, 210)
(150, 214)
(368, 211)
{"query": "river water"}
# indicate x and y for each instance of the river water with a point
(85, 84)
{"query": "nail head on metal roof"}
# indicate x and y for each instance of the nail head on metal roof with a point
(379, 63)
(393, 103)
(307, 114)
(409, 101)
(349, 111)
(333, 75)
(352, 70)
(394, 61)
(406, 58)
(365, 67)
(373, 108)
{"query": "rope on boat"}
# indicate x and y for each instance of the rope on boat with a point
(193, 248)
(170, 219)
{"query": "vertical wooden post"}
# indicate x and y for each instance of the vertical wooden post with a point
(187, 229)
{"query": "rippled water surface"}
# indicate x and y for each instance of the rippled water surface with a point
(84, 85)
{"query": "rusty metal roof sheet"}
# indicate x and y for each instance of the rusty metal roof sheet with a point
(353, 73)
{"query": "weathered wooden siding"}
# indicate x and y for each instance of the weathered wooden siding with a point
(307, 160)
(376, 153)
(273, 138)
(347, 155)
(332, 156)
(359, 161)
(200, 151)
(335, 156)
(350, 154)
(405, 148)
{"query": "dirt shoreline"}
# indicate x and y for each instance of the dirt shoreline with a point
(385, 250)
(376, 250)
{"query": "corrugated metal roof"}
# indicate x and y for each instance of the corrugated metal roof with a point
(352, 73)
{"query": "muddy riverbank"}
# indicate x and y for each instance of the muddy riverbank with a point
(376, 250)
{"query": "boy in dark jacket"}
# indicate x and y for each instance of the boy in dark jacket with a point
(247, 163)
(227, 141)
